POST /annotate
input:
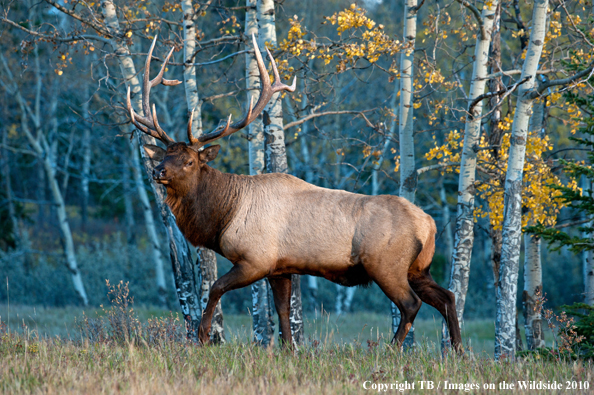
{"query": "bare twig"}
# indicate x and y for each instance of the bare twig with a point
(575, 28)
(321, 114)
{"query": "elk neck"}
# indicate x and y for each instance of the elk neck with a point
(205, 206)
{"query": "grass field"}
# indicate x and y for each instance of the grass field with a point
(324, 327)
(43, 353)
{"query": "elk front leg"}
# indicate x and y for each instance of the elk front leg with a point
(281, 290)
(241, 274)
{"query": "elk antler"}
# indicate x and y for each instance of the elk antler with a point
(149, 123)
(266, 93)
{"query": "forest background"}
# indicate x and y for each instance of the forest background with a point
(69, 163)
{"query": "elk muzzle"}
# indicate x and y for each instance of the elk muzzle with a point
(160, 174)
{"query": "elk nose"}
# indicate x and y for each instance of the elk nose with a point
(159, 172)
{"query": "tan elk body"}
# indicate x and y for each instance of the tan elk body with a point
(274, 225)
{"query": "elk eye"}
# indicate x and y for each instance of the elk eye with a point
(189, 163)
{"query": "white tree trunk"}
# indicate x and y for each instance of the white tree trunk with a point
(65, 228)
(151, 229)
(181, 260)
(43, 150)
(532, 286)
(274, 149)
(207, 260)
(408, 171)
(344, 299)
(532, 262)
(505, 322)
(464, 234)
(375, 184)
(263, 324)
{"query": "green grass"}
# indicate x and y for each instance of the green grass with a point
(477, 334)
(337, 358)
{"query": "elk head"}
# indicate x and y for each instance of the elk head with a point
(182, 159)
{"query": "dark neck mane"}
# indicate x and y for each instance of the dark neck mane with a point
(204, 210)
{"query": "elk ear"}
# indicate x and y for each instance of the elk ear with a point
(209, 153)
(154, 152)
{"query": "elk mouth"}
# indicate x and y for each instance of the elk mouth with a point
(163, 181)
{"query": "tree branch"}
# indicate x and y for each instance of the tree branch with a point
(219, 96)
(436, 167)
(477, 15)
(218, 40)
(76, 16)
(213, 61)
(575, 28)
(563, 81)
(19, 150)
(509, 73)
(321, 114)
(573, 223)
(506, 90)
(418, 7)
(567, 149)
(55, 37)
(185, 64)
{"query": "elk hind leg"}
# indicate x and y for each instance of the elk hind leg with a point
(407, 301)
(240, 275)
(443, 300)
(281, 291)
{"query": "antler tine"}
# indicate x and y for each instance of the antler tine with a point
(278, 85)
(134, 116)
(266, 92)
(215, 134)
(149, 123)
(264, 77)
(146, 82)
(228, 129)
(164, 136)
(193, 140)
(249, 113)
(159, 78)
(143, 120)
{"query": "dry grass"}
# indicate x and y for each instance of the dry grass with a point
(54, 366)
(341, 354)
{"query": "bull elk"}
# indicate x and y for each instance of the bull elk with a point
(275, 225)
